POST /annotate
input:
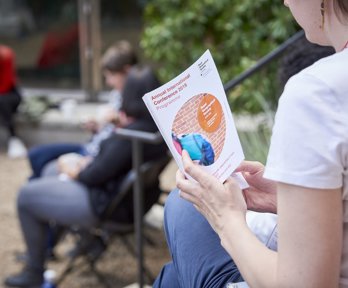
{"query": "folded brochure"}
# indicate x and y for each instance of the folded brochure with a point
(192, 113)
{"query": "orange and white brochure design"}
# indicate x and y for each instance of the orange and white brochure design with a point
(192, 114)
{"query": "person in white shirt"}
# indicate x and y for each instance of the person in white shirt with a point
(305, 180)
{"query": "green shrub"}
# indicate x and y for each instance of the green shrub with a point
(33, 108)
(238, 34)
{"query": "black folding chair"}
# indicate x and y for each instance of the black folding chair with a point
(91, 245)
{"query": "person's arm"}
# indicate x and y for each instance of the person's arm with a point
(90, 125)
(310, 230)
(123, 120)
(113, 160)
(309, 243)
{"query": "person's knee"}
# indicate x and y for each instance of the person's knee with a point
(24, 197)
(176, 214)
(36, 158)
(171, 204)
(33, 153)
(50, 169)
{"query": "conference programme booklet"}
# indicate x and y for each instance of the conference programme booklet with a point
(192, 113)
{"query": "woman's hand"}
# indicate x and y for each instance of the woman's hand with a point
(91, 125)
(261, 195)
(71, 164)
(112, 117)
(219, 203)
(123, 119)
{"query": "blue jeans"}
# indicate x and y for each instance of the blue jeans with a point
(198, 259)
(40, 155)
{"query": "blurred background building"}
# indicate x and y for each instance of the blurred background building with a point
(58, 43)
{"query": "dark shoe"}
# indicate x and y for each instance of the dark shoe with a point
(26, 278)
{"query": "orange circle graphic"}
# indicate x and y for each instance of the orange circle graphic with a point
(209, 113)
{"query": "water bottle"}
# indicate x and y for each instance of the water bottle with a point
(49, 279)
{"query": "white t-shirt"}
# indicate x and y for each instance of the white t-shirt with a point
(264, 226)
(309, 145)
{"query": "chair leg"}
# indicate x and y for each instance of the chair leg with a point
(90, 258)
(71, 266)
(89, 255)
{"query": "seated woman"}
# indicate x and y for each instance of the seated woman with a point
(115, 64)
(305, 181)
(82, 200)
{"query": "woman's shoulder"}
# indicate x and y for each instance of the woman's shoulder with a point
(325, 80)
(329, 71)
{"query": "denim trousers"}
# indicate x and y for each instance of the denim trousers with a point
(40, 155)
(198, 259)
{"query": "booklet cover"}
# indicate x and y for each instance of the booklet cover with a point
(192, 113)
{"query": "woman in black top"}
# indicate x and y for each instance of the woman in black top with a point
(81, 198)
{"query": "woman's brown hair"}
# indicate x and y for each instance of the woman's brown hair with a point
(341, 8)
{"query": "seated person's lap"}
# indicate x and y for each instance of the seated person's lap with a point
(50, 169)
(199, 259)
(65, 201)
